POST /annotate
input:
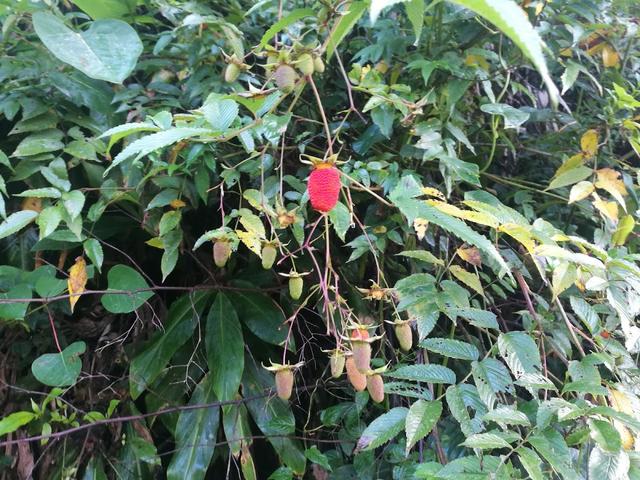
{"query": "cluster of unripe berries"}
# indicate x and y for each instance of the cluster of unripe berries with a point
(282, 66)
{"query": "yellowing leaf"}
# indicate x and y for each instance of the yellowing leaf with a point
(621, 401)
(608, 209)
(433, 192)
(252, 223)
(177, 203)
(155, 242)
(625, 227)
(476, 217)
(471, 280)
(32, 203)
(589, 143)
(539, 8)
(572, 162)
(251, 240)
(77, 281)
(470, 255)
(476, 61)
(420, 226)
(608, 179)
(580, 191)
(610, 57)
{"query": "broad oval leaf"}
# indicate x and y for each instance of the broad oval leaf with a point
(59, 369)
(420, 420)
(383, 429)
(107, 50)
(129, 283)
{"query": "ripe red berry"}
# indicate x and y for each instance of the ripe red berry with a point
(324, 187)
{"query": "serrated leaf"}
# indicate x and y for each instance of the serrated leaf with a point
(344, 25)
(531, 462)
(471, 280)
(451, 348)
(491, 377)
(422, 255)
(420, 420)
(283, 23)
(506, 416)
(520, 353)
(485, 441)
(16, 221)
(424, 373)
(608, 466)
(382, 429)
(585, 313)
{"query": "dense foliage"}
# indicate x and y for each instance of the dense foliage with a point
(174, 304)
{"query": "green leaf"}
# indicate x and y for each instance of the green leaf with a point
(283, 23)
(424, 373)
(451, 348)
(93, 249)
(509, 17)
(415, 11)
(15, 310)
(145, 145)
(513, 118)
(383, 429)
(219, 112)
(259, 313)
(340, 219)
(507, 416)
(182, 318)
(16, 221)
(608, 466)
(40, 142)
(477, 317)
(225, 348)
(59, 369)
(106, 8)
(125, 279)
(73, 203)
(485, 441)
(458, 408)
(316, 456)
(40, 193)
(48, 220)
(570, 177)
(491, 377)
(531, 462)
(195, 436)
(235, 420)
(344, 25)
(585, 313)
(107, 50)
(420, 420)
(605, 435)
(14, 421)
(422, 255)
(520, 353)
(550, 444)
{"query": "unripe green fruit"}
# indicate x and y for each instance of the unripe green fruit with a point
(295, 287)
(337, 361)
(375, 387)
(305, 64)
(231, 73)
(268, 256)
(285, 77)
(284, 383)
(404, 336)
(221, 252)
(318, 65)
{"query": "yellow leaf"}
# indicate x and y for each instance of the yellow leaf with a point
(77, 281)
(476, 61)
(177, 203)
(589, 143)
(539, 8)
(433, 192)
(420, 226)
(621, 401)
(476, 217)
(625, 227)
(566, 52)
(471, 280)
(564, 275)
(580, 191)
(608, 179)
(251, 240)
(610, 57)
(608, 209)
(470, 255)
(32, 203)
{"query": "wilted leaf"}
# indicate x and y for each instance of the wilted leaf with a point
(77, 281)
